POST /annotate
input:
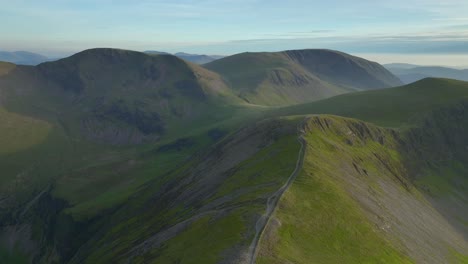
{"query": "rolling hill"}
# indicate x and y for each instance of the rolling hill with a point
(114, 156)
(391, 107)
(292, 77)
(416, 73)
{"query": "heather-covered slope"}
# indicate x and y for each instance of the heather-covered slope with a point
(298, 76)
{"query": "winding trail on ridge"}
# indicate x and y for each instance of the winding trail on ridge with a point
(273, 200)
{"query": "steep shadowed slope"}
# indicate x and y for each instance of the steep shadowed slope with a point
(118, 96)
(73, 133)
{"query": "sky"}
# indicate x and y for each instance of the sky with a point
(428, 32)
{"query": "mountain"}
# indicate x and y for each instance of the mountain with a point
(389, 107)
(155, 52)
(194, 58)
(412, 74)
(120, 96)
(378, 179)
(115, 156)
(351, 191)
(65, 124)
(368, 194)
(198, 59)
(400, 66)
(22, 57)
(291, 77)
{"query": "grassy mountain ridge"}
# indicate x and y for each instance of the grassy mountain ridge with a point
(291, 77)
(389, 107)
(195, 191)
(361, 192)
(224, 188)
(386, 175)
(383, 164)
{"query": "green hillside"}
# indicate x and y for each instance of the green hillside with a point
(357, 177)
(114, 156)
(20, 132)
(6, 67)
(84, 134)
(118, 96)
(73, 119)
(365, 195)
(292, 77)
(391, 107)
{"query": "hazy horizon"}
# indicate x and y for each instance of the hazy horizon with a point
(415, 31)
(459, 61)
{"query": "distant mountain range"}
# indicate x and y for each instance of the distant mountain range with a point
(195, 58)
(400, 66)
(129, 97)
(23, 57)
(30, 58)
(409, 73)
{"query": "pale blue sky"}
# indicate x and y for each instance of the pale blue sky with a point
(60, 27)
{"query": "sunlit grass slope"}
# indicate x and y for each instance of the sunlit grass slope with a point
(390, 107)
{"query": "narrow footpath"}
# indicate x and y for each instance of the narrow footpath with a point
(273, 200)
